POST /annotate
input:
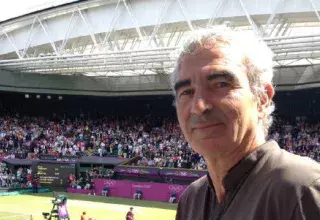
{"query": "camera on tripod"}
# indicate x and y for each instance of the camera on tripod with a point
(59, 208)
(60, 199)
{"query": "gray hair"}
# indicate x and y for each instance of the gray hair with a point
(257, 59)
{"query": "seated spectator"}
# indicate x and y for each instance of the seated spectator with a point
(73, 184)
(105, 191)
(138, 195)
(87, 186)
(71, 178)
(109, 173)
(173, 198)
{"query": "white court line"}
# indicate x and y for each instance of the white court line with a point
(14, 216)
(18, 214)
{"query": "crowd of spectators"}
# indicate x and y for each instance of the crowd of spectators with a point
(25, 137)
(20, 179)
(85, 179)
(156, 142)
(299, 136)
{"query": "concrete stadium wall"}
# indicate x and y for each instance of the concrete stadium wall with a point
(297, 77)
(285, 79)
(84, 85)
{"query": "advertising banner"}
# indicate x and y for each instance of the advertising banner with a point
(162, 171)
(126, 189)
(182, 173)
(137, 170)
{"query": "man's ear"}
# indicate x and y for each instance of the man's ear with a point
(265, 99)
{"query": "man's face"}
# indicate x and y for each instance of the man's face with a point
(216, 109)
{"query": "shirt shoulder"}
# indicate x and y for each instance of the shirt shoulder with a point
(187, 205)
(280, 186)
(197, 185)
(293, 169)
(308, 207)
(286, 175)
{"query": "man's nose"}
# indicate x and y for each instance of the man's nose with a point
(200, 105)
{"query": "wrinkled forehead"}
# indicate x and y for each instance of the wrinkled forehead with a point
(201, 55)
(224, 55)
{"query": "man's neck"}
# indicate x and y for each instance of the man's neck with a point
(219, 167)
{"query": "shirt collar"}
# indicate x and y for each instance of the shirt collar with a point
(242, 169)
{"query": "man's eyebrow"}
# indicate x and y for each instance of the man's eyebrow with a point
(223, 74)
(181, 84)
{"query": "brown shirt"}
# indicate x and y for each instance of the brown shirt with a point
(268, 184)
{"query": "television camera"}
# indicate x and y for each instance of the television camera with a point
(59, 209)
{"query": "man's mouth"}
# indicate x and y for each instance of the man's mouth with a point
(205, 126)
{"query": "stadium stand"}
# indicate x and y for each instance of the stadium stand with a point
(300, 137)
(25, 137)
(152, 140)
(20, 179)
(160, 147)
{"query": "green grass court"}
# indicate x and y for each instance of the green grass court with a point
(98, 207)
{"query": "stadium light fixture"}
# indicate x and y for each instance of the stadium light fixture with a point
(27, 96)
(49, 97)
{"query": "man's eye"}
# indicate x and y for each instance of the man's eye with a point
(186, 92)
(222, 84)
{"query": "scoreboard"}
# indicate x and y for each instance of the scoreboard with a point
(54, 174)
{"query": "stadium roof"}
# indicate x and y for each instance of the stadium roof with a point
(17, 8)
(22, 162)
(116, 38)
(107, 38)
